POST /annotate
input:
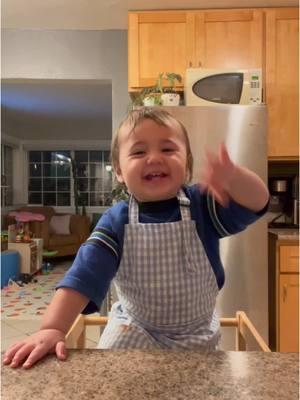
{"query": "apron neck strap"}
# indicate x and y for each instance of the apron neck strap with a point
(184, 204)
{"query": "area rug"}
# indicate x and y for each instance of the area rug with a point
(31, 300)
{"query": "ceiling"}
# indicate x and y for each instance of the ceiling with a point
(63, 109)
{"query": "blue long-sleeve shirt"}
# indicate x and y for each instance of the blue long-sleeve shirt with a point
(98, 259)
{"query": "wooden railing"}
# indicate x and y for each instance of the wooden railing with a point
(247, 337)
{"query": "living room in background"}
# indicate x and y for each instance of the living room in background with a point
(51, 180)
(6, 175)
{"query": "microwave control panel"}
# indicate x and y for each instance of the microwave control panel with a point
(255, 89)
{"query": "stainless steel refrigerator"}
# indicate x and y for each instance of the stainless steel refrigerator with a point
(244, 255)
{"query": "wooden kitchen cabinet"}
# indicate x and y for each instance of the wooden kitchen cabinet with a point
(171, 41)
(160, 41)
(283, 295)
(267, 38)
(288, 328)
(229, 38)
(282, 80)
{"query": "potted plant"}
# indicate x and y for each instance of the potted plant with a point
(148, 96)
(158, 94)
(152, 95)
(169, 96)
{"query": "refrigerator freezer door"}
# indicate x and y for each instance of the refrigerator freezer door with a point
(244, 256)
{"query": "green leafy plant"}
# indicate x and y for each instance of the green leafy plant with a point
(171, 78)
(119, 193)
(155, 92)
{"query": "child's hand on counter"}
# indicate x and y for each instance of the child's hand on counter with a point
(27, 352)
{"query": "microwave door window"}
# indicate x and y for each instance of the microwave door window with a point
(221, 88)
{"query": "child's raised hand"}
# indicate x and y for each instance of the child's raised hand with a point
(35, 347)
(218, 174)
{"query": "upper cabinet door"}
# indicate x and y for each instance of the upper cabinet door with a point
(282, 81)
(158, 42)
(229, 39)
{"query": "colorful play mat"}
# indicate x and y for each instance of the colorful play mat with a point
(31, 300)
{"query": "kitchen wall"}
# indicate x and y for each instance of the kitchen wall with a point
(60, 54)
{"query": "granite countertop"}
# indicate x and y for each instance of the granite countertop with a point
(285, 234)
(156, 375)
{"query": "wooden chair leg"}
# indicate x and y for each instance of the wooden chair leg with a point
(75, 338)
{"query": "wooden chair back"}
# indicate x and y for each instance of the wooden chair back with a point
(247, 337)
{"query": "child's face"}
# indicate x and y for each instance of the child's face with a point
(152, 160)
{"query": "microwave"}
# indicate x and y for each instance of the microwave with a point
(222, 86)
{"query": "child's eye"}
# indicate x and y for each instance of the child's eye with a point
(138, 153)
(167, 150)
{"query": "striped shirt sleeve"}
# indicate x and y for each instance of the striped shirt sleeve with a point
(103, 237)
(217, 223)
(231, 219)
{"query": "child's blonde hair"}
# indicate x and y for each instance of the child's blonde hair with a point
(161, 117)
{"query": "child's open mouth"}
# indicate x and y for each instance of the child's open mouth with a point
(155, 176)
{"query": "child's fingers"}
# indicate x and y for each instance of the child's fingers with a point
(61, 351)
(11, 351)
(211, 158)
(21, 354)
(36, 354)
(223, 154)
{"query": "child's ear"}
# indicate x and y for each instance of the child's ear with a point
(118, 174)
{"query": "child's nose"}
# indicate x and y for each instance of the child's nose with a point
(154, 157)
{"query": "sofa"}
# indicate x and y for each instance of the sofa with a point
(63, 233)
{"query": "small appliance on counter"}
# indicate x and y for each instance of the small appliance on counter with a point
(284, 202)
(210, 87)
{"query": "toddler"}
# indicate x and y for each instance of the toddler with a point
(161, 247)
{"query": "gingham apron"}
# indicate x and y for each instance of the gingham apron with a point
(166, 287)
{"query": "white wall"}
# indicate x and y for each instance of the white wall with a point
(60, 54)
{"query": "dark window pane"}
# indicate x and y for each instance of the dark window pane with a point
(84, 199)
(34, 198)
(82, 156)
(49, 156)
(107, 184)
(95, 156)
(49, 184)
(35, 184)
(63, 199)
(65, 153)
(95, 185)
(106, 156)
(35, 156)
(83, 184)
(63, 185)
(96, 170)
(82, 170)
(96, 199)
(49, 199)
(107, 199)
(49, 169)
(35, 169)
(63, 169)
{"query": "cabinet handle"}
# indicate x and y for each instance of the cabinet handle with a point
(190, 64)
(199, 64)
(284, 292)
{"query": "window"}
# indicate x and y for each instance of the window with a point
(6, 175)
(51, 177)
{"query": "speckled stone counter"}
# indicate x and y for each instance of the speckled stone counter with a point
(156, 375)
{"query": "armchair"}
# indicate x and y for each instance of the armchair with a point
(64, 244)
